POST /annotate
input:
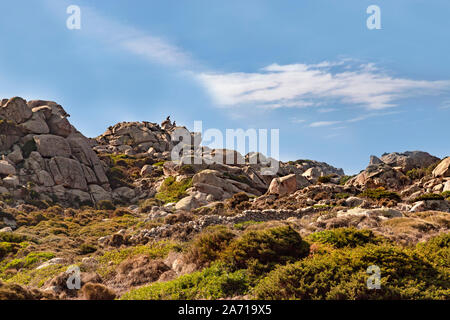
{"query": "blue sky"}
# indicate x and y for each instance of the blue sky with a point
(337, 91)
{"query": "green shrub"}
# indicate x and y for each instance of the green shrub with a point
(380, 193)
(446, 194)
(245, 224)
(146, 205)
(86, 248)
(211, 283)
(172, 190)
(28, 262)
(208, 246)
(436, 250)
(344, 180)
(429, 196)
(262, 250)
(7, 248)
(344, 237)
(12, 237)
(105, 205)
(342, 274)
(324, 179)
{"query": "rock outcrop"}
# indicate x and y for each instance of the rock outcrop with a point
(45, 157)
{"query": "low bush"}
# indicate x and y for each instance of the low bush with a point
(211, 283)
(342, 274)
(380, 193)
(344, 237)
(324, 179)
(429, 196)
(262, 250)
(208, 246)
(105, 205)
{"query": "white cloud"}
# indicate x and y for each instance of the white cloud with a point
(111, 31)
(305, 85)
(324, 123)
(352, 120)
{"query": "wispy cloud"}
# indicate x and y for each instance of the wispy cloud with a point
(308, 85)
(324, 123)
(111, 31)
(352, 120)
(445, 105)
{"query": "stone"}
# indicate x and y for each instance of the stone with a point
(16, 109)
(216, 192)
(6, 168)
(284, 185)
(3, 190)
(15, 156)
(146, 170)
(353, 201)
(59, 125)
(11, 181)
(50, 146)
(409, 160)
(84, 153)
(443, 169)
(438, 205)
(78, 197)
(98, 193)
(67, 172)
(312, 173)
(210, 177)
(45, 179)
(36, 125)
(45, 111)
(124, 193)
(187, 204)
(7, 229)
(446, 186)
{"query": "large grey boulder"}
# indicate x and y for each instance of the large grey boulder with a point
(16, 110)
(52, 146)
(67, 172)
(409, 160)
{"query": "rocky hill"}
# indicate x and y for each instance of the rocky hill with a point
(128, 216)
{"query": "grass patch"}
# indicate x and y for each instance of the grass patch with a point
(172, 190)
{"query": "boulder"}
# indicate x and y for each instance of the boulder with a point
(354, 202)
(210, 177)
(51, 146)
(124, 193)
(36, 125)
(443, 169)
(68, 173)
(437, 205)
(284, 185)
(15, 156)
(409, 160)
(98, 193)
(59, 125)
(381, 175)
(446, 186)
(313, 173)
(187, 204)
(146, 170)
(16, 110)
(84, 153)
(6, 168)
